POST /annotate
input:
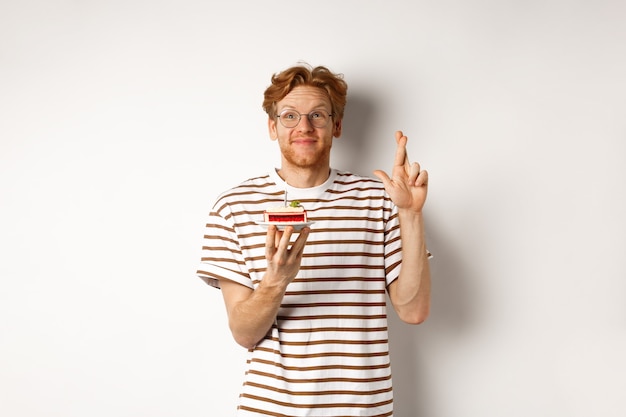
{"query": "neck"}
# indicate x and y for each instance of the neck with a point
(304, 177)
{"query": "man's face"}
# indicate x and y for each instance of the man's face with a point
(305, 146)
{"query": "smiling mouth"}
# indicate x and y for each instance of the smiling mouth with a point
(304, 140)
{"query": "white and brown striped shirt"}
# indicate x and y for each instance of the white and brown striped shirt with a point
(327, 353)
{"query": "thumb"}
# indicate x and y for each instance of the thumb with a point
(382, 175)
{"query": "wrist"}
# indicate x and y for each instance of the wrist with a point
(408, 215)
(271, 285)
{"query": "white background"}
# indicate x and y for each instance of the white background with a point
(121, 121)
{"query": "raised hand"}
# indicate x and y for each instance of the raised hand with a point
(408, 184)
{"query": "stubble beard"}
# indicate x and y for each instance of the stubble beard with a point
(319, 159)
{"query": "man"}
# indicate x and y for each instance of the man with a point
(310, 304)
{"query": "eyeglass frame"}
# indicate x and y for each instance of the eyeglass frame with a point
(308, 116)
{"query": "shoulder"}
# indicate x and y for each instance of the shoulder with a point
(361, 188)
(247, 195)
(252, 185)
(349, 180)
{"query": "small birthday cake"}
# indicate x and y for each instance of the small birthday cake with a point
(293, 213)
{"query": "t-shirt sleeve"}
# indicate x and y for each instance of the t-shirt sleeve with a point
(393, 245)
(221, 256)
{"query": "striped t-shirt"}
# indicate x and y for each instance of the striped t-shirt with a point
(327, 353)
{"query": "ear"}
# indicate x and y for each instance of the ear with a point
(271, 127)
(337, 129)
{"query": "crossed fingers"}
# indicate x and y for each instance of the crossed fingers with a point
(412, 171)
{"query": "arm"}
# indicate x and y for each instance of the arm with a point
(251, 313)
(410, 293)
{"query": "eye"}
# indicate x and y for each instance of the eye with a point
(289, 115)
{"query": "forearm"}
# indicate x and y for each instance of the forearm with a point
(410, 293)
(251, 318)
(252, 313)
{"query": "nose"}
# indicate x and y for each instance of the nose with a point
(304, 124)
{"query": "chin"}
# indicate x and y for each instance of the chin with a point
(304, 162)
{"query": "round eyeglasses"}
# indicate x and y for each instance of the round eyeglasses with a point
(317, 118)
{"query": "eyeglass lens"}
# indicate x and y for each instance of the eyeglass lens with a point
(291, 118)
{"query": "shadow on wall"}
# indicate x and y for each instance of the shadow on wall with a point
(354, 150)
(452, 314)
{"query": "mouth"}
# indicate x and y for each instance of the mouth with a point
(304, 141)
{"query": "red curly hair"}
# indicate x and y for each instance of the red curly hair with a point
(321, 77)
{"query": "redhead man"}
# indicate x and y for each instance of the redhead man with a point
(309, 301)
